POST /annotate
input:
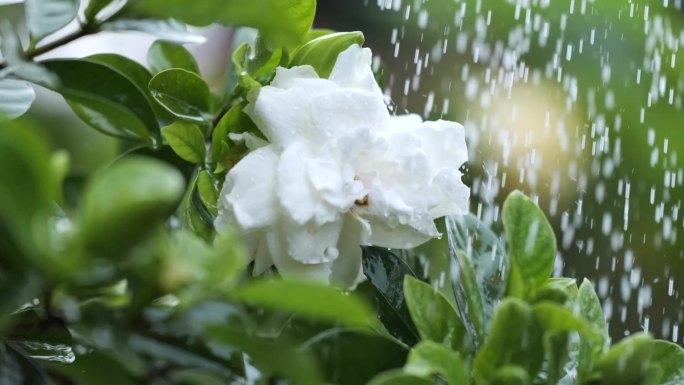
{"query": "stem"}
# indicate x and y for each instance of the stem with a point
(83, 31)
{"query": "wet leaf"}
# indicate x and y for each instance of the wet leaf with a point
(48, 16)
(670, 358)
(589, 308)
(16, 97)
(186, 140)
(102, 91)
(515, 338)
(281, 21)
(434, 317)
(531, 243)
(94, 7)
(350, 357)
(164, 55)
(208, 191)
(479, 271)
(321, 53)
(123, 202)
(308, 299)
(398, 377)
(385, 272)
(626, 363)
(428, 359)
(182, 93)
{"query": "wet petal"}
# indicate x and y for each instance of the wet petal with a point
(249, 191)
(294, 191)
(312, 243)
(290, 268)
(353, 69)
(347, 270)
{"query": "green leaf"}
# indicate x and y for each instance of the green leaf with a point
(310, 299)
(511, 375)
(626, 363)
(48, 16)
(102, 85)
(321, 53)
(556, 350)
(428, 358)
(515, 338)
(670, 358)
(589, 308)
(271, 357)
(208, 191)
(479, 270)
(164, 55)
(123, 202)
(397, 377)
(385, 272)
(560, 290)
(182, 93)
(434, 316)
(186, 140)
(531, 242)
(16, 97)
(169, 30)
(94, 7)
(349, 357)
(281, 21)
(556, 318)
(107, 117)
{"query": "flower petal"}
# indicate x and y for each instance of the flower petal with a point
(347, 270)
(290, 268)
(353, 69)
(294, 191)
(286, 77)
(249, 191)
(312, 243)
(334, 113)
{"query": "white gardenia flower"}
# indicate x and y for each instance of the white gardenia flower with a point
(339, 172)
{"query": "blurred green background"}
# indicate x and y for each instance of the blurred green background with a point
(578, 103)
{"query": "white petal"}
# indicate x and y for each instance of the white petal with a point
(336, 112)
(334, 183)
(295, 193)
(280, 114)
(353, 69)
(285, 77)
(444, 142)
(249, 190)
(388, 233)
(452, 195)
(290, 268)
(312, 243)
(347, 270)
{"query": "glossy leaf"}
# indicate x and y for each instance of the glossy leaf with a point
(511, 375)
(310, 299)
(109, 118)
(428, 359)
(182, 93)
(589, 308)
(385, 272)
(670, 358)
(272, 357)
(515, 338)
(281, 21)
(560, 290)
(164, 55)
(169, 29)
(321, 53)
(479, 271)
(89, 80)
(433, 315)
(16, 97)
(397, 377)
(556, 318)
(124, 202)
(48, 16)
(626, 363)
(349, 357)
(186, 140)
(531, 241)
(208, 191)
